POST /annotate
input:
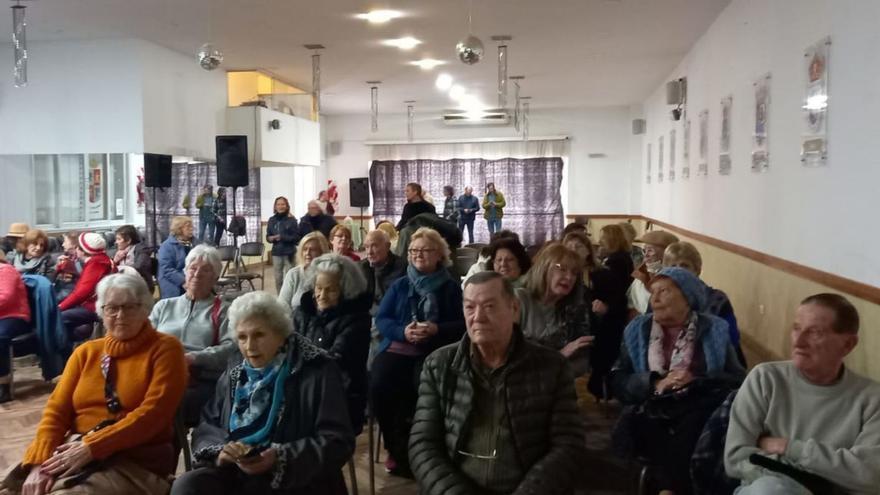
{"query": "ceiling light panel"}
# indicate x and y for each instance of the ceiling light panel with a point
(427, 63)
(379, 16)
(406, 43)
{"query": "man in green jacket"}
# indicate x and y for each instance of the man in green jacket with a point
(496, 414)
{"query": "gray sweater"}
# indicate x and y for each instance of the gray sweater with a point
(191, 322)
(833, 431)
(293, 288)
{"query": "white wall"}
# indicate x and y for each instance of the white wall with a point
(595, 185)
(82, 96)
(824, 217)
(16, 191)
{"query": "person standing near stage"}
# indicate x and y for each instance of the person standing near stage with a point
(205, 204)
(283, 233)
(468, 206)
(219, 211)
(493, 208)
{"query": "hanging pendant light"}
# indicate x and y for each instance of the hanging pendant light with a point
(374, 105)
(410, 119)
(517, 104)
(19, 45)
(502, 69)
(525, 117)
(316, 78)
(470, 49)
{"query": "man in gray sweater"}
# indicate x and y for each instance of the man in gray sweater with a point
(811, 413)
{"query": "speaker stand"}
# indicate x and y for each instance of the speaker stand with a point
(238, 265)
(155, 220)
(363, 230)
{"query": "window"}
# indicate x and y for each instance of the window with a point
(77, 191)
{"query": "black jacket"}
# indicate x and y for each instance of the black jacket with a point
(392, 270)
(344, 332)
(412, 209)
(322, 223)
(287, 228)
(313, 430)
(547, 428)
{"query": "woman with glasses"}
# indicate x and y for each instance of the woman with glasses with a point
(553, 312)
(340, 240)
(198, 319)
(420, 312)
(108, 426)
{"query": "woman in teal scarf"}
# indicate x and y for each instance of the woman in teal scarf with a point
(419, 313)
(278, 422)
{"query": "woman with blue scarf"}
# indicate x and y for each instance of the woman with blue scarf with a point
(278, 422)
(420, 312)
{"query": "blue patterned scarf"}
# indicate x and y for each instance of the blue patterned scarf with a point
(257, 400)
(423, 293)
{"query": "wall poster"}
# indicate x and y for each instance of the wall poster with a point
(814, 147)
(760, 149)
(724, 164)
(660, 159)
(672, 155)
(703, 166)
(686, 151)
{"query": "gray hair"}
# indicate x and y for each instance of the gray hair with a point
(260, 305)
(351, 278)
(208, 254)
(381, 234)
(133, 284)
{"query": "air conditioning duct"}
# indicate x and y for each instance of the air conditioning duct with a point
(492, 116)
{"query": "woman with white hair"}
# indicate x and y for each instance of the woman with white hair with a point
(335, 317)
(198, 319)
(108, 425)
(278, 421)
(295, 284)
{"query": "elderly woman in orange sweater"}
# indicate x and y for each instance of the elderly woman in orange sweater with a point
(108, 426)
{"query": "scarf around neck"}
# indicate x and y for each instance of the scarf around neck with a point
(682, 350)
(33, 266)
(423, 293)
(257, 400)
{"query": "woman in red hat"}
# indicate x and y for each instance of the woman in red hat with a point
(78, 308)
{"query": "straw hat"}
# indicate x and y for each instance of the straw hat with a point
(18, 230)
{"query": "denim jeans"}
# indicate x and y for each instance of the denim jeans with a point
(775, 485)
(281, 265)
(469, 223)
(9, 329)
(494, 225)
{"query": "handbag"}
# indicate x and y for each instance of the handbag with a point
(700, 393)
(237, 226)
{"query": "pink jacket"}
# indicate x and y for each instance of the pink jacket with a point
(13, 294)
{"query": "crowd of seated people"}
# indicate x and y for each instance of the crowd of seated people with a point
(470, 376)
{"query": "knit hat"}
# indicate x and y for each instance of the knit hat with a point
(17, 230)
(693, 288)
(91, 243)
(658, 238)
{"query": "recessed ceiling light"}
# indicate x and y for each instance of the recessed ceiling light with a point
(379, 16)
(427, 63)
(456, 91)
(444, 82)
(406, 43)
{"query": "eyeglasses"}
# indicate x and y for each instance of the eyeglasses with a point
(116, 309)
(564, 270)
(421, 252)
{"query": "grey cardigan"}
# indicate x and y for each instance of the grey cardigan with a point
(193, 324)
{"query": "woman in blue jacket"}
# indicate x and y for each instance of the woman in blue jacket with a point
(284, 234)
(420, 312)
(172, 257)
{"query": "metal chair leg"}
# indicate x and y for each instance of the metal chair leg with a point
(371, 455)
(352, 476)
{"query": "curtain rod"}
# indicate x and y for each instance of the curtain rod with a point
(468, 140)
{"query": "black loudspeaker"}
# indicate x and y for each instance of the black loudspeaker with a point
(232, 161)
(157, 170)
(359, 192)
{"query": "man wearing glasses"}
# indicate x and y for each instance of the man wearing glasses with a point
(496, 412)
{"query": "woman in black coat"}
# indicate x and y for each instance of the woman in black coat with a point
(278, 422)
(415, 204)
(335, 317)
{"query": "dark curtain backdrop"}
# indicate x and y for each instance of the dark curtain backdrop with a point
(188, 179)
(530, 187)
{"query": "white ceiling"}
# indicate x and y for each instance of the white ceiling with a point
(572, 52)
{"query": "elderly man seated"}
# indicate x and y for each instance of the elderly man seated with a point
(811, 413)
(381, 268)
(495, 412)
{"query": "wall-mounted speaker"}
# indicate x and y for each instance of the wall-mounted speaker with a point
(639, 126)
(157, 170)
(359, 192)
(676, 91)
(232, 161)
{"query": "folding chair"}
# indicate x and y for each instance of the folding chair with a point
(252, 250)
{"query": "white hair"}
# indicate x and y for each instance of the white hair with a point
(381, 234)
(133, 284)
(351, 278)
(260, 305)
(208, 254)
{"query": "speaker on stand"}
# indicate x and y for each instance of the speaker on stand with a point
(232, 171)
(359, 197)
(157, 175)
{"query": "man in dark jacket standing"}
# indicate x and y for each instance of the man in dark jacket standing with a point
(381, 268)
(284, 234)
(316, 219)
(468, 206)
(495, 412)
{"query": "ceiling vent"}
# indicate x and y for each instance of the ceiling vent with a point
(494, 116)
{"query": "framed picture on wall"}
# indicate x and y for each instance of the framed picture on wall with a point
(760, 150)
(724, 162)
(814, 145)
(648, 161)
(660, 159)
(686, 151)
(672, 155)
(703, 166)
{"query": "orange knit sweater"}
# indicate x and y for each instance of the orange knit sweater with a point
(151, 378)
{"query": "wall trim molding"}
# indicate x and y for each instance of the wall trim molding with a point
(836, 282)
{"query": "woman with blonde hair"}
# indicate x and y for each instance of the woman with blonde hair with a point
(172, 257)
(421, 312)
(311, 246)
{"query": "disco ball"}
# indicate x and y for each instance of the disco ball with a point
(470, 50)
(210, 57)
